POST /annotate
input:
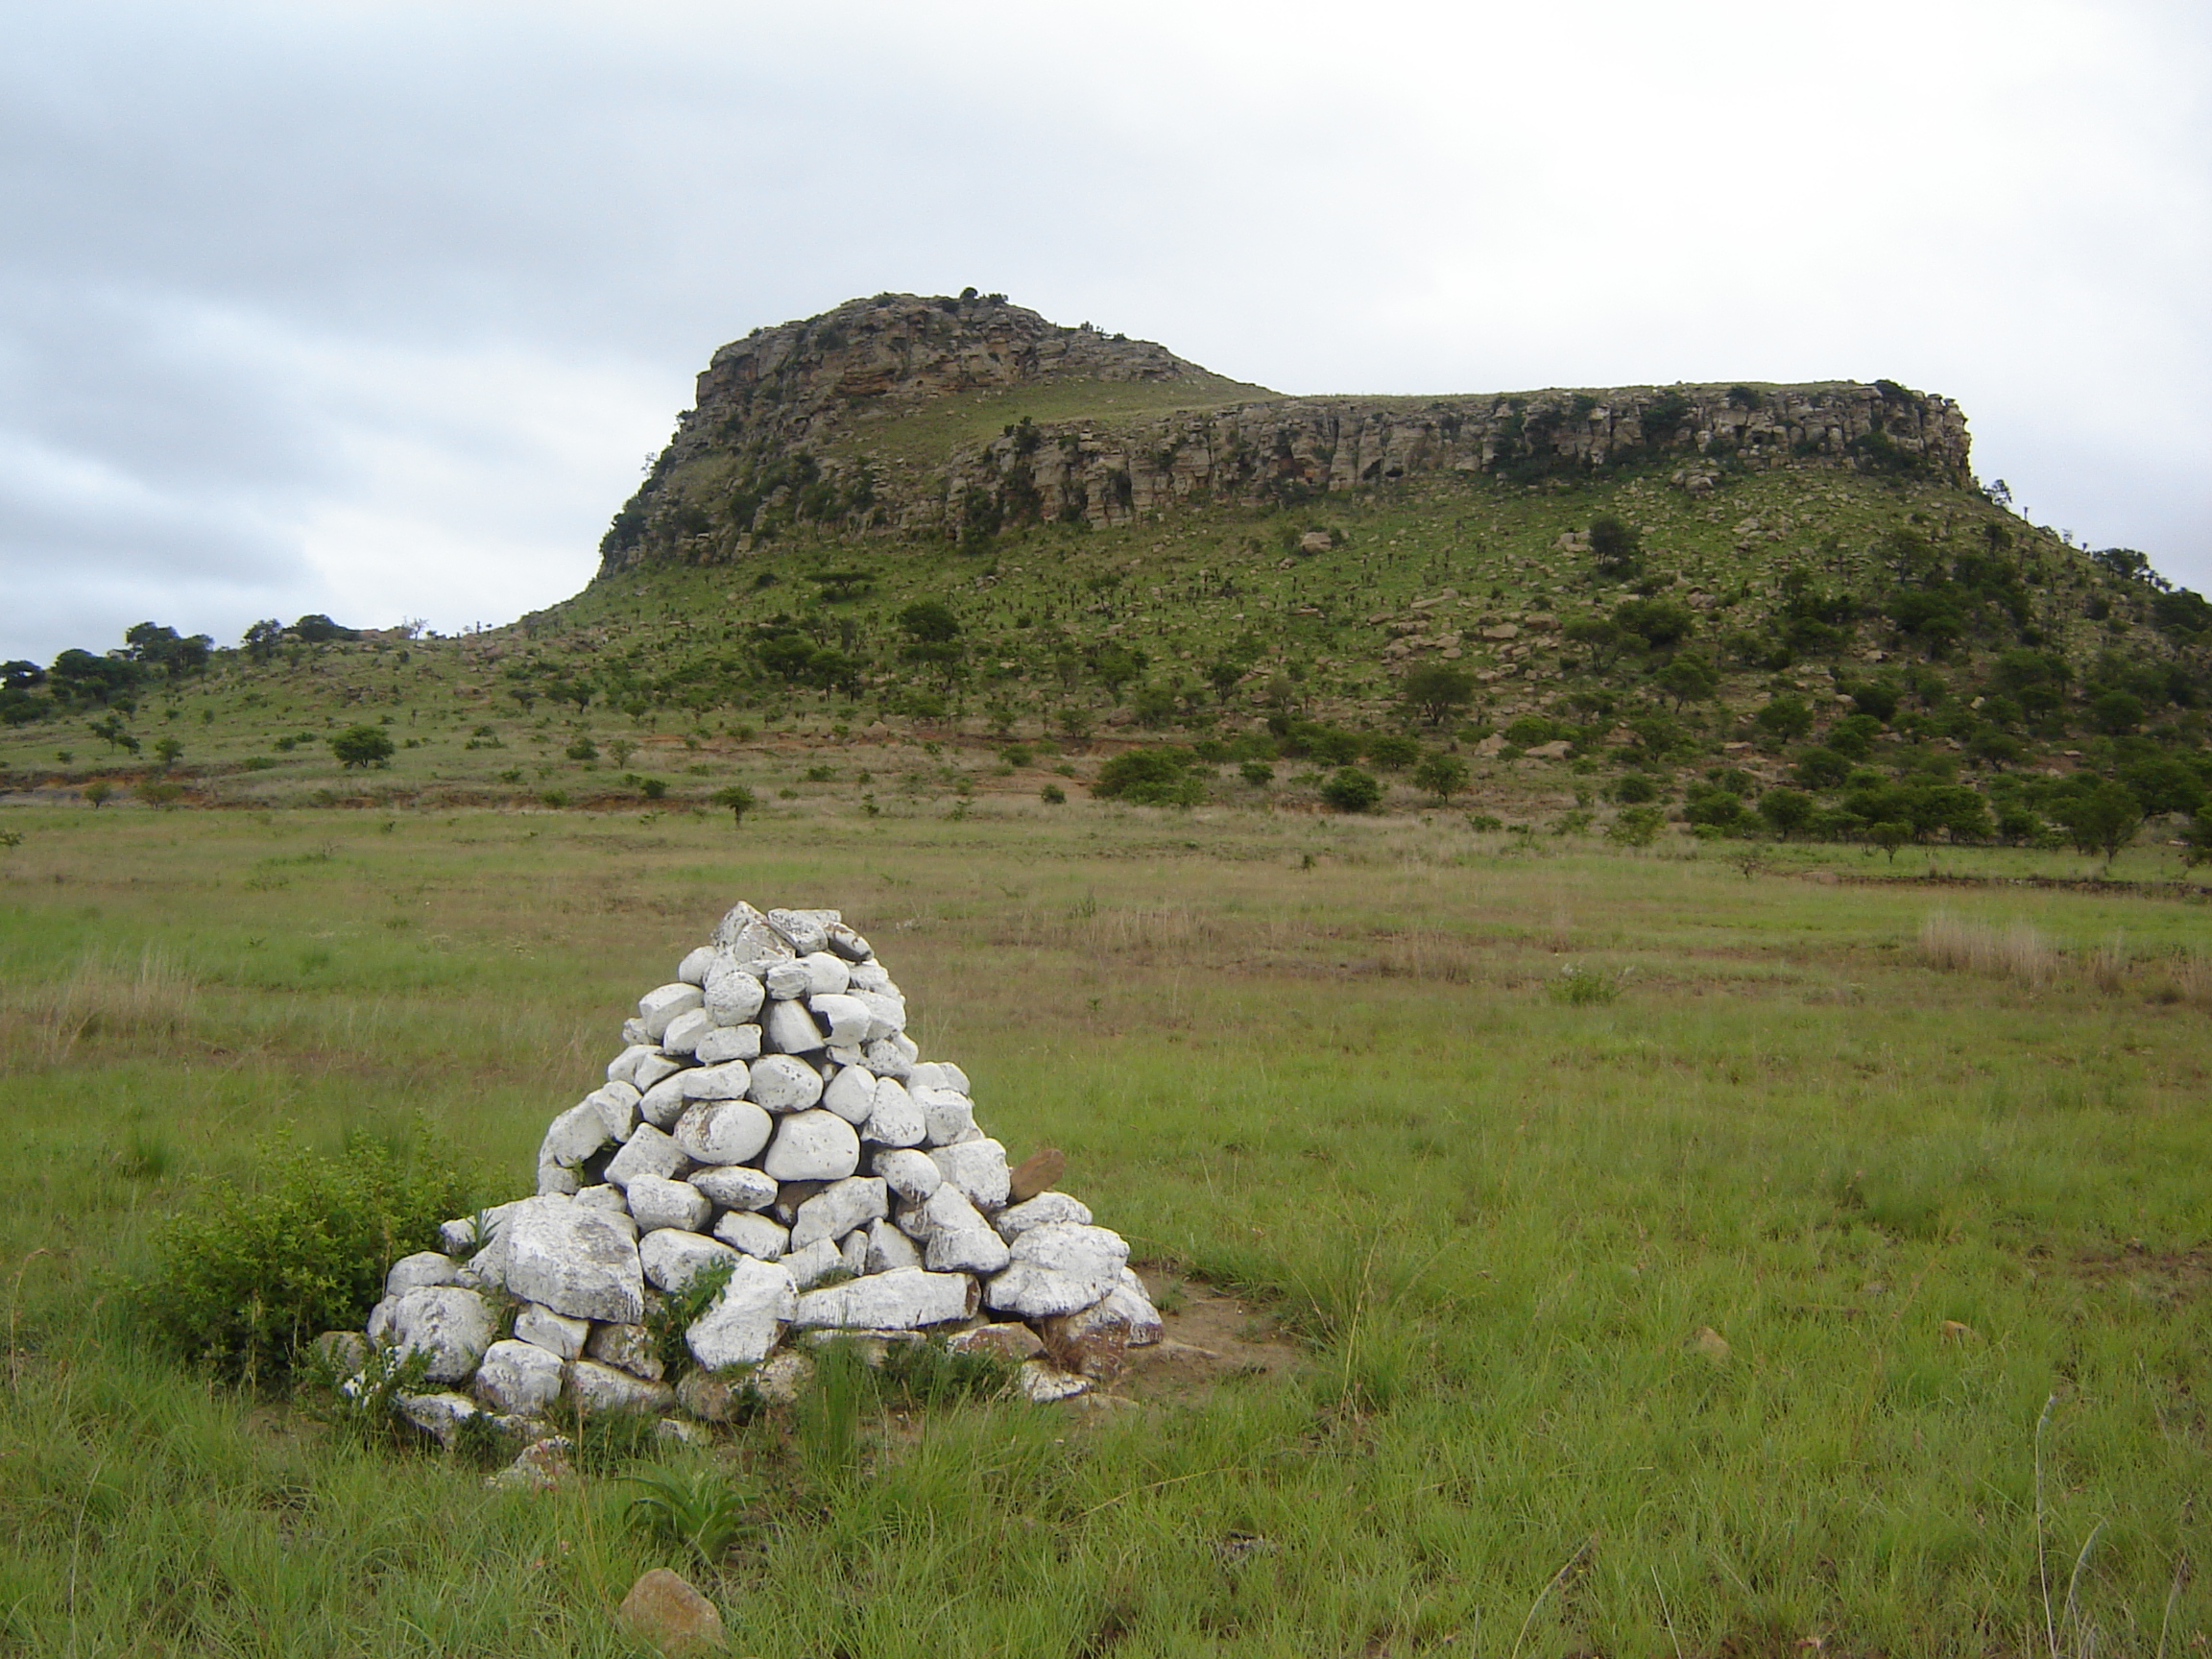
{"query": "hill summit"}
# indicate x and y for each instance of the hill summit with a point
(879, 416)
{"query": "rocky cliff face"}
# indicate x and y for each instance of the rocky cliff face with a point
(783, 433)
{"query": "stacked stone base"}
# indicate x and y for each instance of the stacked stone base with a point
(768, 1118)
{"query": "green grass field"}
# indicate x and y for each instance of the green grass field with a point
(1328, 1063)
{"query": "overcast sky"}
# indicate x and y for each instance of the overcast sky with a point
(380, 309)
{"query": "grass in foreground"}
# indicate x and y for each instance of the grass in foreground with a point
(1717, 1317)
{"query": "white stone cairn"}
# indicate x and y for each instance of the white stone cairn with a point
(768, 1121)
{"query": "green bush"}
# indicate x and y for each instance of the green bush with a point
(246, 1278)
(1160, 777)
(1394, 752)
(1052, 795)
(1352, 790)
(362, 746)
(1634, 789)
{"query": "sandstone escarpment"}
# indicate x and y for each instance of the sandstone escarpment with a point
(931, 417)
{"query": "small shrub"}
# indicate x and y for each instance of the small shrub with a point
(1587, 987)
(1052, 795)
(244, 1280)
(1394, 752)
(583, 748)
(1257, 773)
(1636, 827)
(697, 1510)
(653, 788)
(1441, 777)
(931, 1374)
(1349, 789)
(554, 798)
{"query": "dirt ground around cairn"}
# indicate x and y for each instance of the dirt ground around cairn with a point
(1211, 1337)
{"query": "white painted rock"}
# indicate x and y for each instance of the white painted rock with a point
(733, 996)
(617, 1104)
(574, 1259)
(912, 1175)
(838, 1209)
(896, 1122)
(657, 1203)
(723, 1131)
(854, 1249)
(785, 980)
(826, 973)
(847, 943)
(893, 1056)
(904, 1299)
(664, 1102)
(420, 1271)
(949, 1116)
(658, 1007)
(746, 936)
(787, 1028)
(753, 1234)
(807, 930)
(1058, 1269)
(1041, 1210)
(697, 965)
(814, 1263)
(735, 1186)
(845, 1019)
(518, 1377)
(852, 1095)
(977, 1169)
(623, 1068)
(555, 1181)
(573, 1137)
(781, 1083)
(671, 1260)
(727, 1043)
(813, 1147)
(557, 1334)
(728, 1081)
(744, 1321)
(888, 1249)
(886, 1014)
(600, 1390)
(684, 1030)
(647, 1152)
(627, 1348)
(955, 1237)
(652, 1066)
(610, 1199)
(871, 977)
(451, 1326)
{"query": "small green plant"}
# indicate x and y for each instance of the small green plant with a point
(554, 798)
(1636, 827)
(1587, 987)
(653, 788)
(1257, 773)
(366, 1403)
(1052, 795)
(666, 1321)
(583, 748)
(738, 800)
(931, 1374)
(695, 1509)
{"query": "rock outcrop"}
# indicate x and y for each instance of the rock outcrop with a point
(813, 425)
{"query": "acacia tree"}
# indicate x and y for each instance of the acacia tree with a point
(1437, 689)
(739, 799)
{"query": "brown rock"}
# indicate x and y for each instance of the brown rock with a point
(1008, 1340)
(666, 1612)
(1037, 1174)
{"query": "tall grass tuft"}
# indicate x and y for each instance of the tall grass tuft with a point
(2019, 951)
(105, 994)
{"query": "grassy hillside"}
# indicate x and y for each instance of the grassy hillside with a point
(1818, 630)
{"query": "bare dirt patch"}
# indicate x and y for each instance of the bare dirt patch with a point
(1211, 1337)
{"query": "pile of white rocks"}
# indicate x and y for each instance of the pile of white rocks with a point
(769, 1115)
